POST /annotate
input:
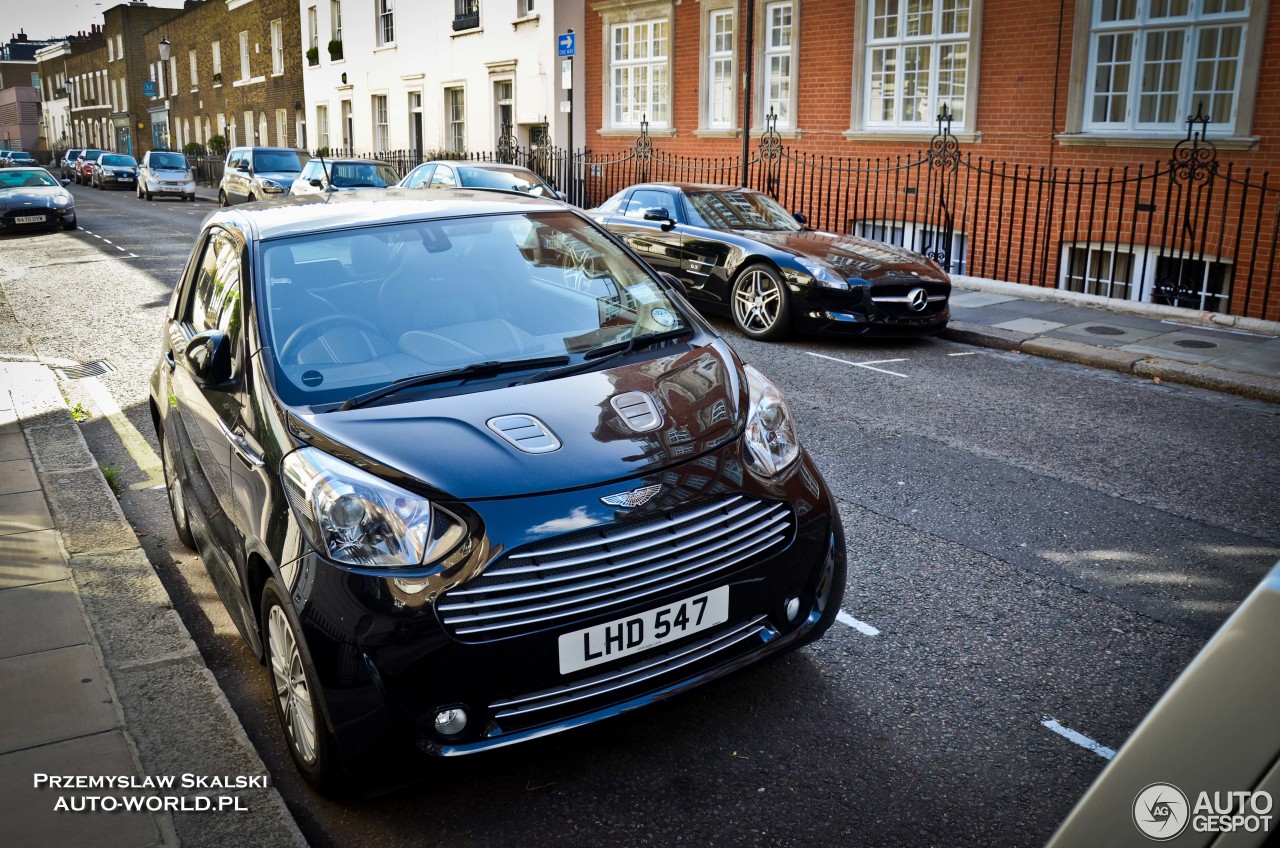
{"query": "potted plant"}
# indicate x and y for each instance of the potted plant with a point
(335, 50)
(313, 55)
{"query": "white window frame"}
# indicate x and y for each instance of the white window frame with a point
(216, 51)
(455, 119)
(899, 42)
(277, 47)
(246, 69)
(385, 23)
(313, 30)
(769, 49)
(173, 74)
(381, 114)
(282, 127)
(322, 126)
(625, 59)
(195, 76)
(335, 20)
(715, 57)
(1143, 268)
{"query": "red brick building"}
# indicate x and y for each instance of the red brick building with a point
(1051, 103)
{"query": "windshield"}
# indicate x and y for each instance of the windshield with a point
(362, 175)
(731, 209)
(509, 179)
(26, 178)
(352, 311)
(168, 161)
(119, 161)
(276, 160)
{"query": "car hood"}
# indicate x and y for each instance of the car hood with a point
(35, 196)
(285, 178)
(446, 445)
(850, 255)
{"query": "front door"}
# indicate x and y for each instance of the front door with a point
(660, 247)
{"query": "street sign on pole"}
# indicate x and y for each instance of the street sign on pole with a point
(566, 74)
(566, 106)
(565, 42)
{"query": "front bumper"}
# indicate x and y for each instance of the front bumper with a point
(170, 189)
(859, 312)
(117, 180)
(386, 664)
(50, 217)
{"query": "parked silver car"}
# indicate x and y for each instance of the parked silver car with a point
(68, 162)
(321, 175)
(165, 173)
(259, 173)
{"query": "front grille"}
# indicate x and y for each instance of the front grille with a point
(618, 685)
(565, 581)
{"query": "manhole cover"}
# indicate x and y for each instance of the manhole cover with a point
(1104, 331)
(88, 369)
(1198, 344)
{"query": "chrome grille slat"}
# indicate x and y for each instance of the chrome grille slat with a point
(507, 625)
(613, 537)
(629, 677)
(586, 575)
(551, 581)
(743, 539)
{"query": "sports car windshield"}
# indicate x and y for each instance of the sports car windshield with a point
(352, 311)
(739, 210)
(26, 178)
(509, 179)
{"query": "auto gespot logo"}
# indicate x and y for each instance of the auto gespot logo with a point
(1162, 811)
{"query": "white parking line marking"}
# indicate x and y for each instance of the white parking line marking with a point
(132, 256)
(106, 241)
(1078, 738)
(118, 247)
(868, 366)
(857, 624)
(966, 353)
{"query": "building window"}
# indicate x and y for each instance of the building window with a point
(348, 127)
(917, 62)
(1099, 270)
(173, 74)
(217, 62)
(195, 78)
(640, 73)
(381, 126)
(456, 118)
(111, 50)
(386, 22)
(921, 238)
(504, 105)
(322, 127)
(313, 35)
(1159, 275)
(1153, 62)
(335, 20)
(119, 45)
(244, 62)
(721, 99)
(466, 14)
(277, 47)
(1201, 284)
(778, 65)
(282, 127)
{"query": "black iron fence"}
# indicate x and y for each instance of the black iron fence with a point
(1186, 231)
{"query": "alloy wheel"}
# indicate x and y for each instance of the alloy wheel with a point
(292, 692)
(757, 301)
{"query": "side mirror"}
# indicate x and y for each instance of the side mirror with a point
(801, 219)
(562, 196)
(208, 358)
(317, 182)
(674, 281)
(66, 182)
(657, 213)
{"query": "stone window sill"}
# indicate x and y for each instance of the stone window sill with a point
(921, 137)
(1153, 142)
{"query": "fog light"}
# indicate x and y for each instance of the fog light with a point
(793, 609)
(451, 722)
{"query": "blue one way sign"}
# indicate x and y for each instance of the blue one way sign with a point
(565, 42)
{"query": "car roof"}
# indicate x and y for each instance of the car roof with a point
(475, 164)
(329, 161)
(316, 213)
(691, 186)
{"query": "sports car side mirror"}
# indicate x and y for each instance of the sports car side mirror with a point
(801, 218)
(657, 213)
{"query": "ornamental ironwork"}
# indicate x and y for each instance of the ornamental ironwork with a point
(507, 144)
(644, 146)
(770, 141)
(1195, 158)
(944, 148)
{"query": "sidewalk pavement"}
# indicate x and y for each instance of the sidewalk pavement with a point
(98, 674)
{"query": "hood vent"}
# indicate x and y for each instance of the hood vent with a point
(638, 410)
(525, 432)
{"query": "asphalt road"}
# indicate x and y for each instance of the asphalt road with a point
(1030, 541)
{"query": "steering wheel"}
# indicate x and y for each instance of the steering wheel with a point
(313, 329)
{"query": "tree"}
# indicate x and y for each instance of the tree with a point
(217, 144)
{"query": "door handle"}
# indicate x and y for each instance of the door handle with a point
(240, 446)
(169, 361)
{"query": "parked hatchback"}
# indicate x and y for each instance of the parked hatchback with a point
(68, 162)
(465, 474)
(165, 173)
(484, 175)
(323, 175)
(17, 159)
(259, 173)
(115, 170)
(84, 165)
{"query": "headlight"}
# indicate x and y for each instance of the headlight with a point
(771, 437)
(61, 199)
(822, 275)
(271, 185)
(355, 518)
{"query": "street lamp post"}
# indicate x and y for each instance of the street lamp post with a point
(164, 66)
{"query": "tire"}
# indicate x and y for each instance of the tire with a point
(137, 191)
(250, 198)
(293, 690)
(830, 592)
(146, 192)
(173, 486)
(760, 304)
(222, 198)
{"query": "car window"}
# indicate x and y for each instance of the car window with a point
(362, 175)
(167, 161)
(644, 199)
(734, 209)
(443, 177)
(508, 179)
(118, 161)
(448, 293)
(419, 176)
(25, 179)
(614, 204)
(215, 297)
(276, 160)
(311, 171)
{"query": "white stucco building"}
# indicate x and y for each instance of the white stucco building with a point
(426, 75)
(55, 113)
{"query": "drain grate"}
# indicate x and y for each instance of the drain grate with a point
(1099, 330)
(87, 369)
(1199, 344)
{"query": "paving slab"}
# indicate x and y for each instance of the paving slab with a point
(59, 448)
(1194, 345)
(1261, 359)
(1104, 333)
(18, 475)
(41, 617)
(30, 820)
(8, 418)
(1028, 325)
(53, 695)
(87, 512)
(13, 446)
(24, 512)
(972, 300)
(28, 558)
(1083, 354)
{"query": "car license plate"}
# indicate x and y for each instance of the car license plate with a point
(29, 219)
(626, 636)
(168, 188)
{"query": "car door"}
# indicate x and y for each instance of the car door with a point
(443, 177)
(209, 414)
(237, 182)
(420, 177)
(660, 247)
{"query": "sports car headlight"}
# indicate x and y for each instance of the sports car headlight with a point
(771, 437)
(60, 200)
(355, 518)
(822, 275)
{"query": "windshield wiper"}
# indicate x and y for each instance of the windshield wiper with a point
(594, 357)
(475, 369)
